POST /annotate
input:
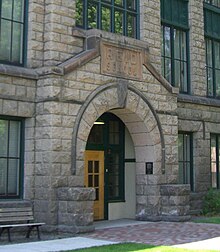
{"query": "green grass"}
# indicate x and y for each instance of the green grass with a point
(204, 219)
(135, 247)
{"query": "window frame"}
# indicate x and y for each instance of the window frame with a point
(190, 161)
(23, 49)
(175, 16)
(21, 158)
(113, 8)
(212, 69)
(184, 88)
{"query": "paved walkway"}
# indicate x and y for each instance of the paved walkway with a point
(186, 235)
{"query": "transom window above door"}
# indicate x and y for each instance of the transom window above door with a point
(117, 16)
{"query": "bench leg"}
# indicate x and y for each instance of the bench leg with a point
(8, 231)
(30, 229)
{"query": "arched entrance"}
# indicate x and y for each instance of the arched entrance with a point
(110, 168)
(143, 125)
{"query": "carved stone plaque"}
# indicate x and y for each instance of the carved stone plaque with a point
(121, 61)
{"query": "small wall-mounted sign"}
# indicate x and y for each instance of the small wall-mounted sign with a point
(149, 167)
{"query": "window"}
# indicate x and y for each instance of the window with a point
(185, 159)
(11, 158)
(174, 43)
(12, 30)
(117, 16)
(212, 39)
(213, 2)
(213, 67)
(215, 143)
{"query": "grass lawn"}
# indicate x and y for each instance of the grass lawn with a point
(206, 219)
(134, 247)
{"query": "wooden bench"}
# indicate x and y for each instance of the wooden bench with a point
(18, 217)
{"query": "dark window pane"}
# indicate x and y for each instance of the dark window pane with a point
(131, 4)
(118, 22)
(96, 166)
(90, 166)
(131, 26)
(13, 177)
(3, 176)
(5, 45)
(18, 14)
(217, 80)
(3, 138)
(79, 13)
(97, 193)
(14, 142)
(17, 43)
(92, 16)
(96, 182)
(90, 181)
(106, 19)
(7, 9)
(119, 2)
(96, 134)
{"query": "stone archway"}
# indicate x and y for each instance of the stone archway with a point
(143, 124)
(118, 96)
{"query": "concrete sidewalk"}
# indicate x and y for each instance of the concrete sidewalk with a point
(83, 242)
(55, 245)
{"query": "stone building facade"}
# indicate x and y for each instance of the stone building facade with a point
(70, 78)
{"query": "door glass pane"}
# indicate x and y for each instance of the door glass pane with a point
(113, 132)
(96, 134)
(90, 181)
(96, 164)
(113, 175)
(90, 167)
(3, 138)
(96, 182)
(97, 193)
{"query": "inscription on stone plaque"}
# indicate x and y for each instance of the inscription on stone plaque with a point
(121, 62)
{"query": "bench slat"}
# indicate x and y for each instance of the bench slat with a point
(2, 215)
(22, 225)
(14, 219)
(20, 209)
